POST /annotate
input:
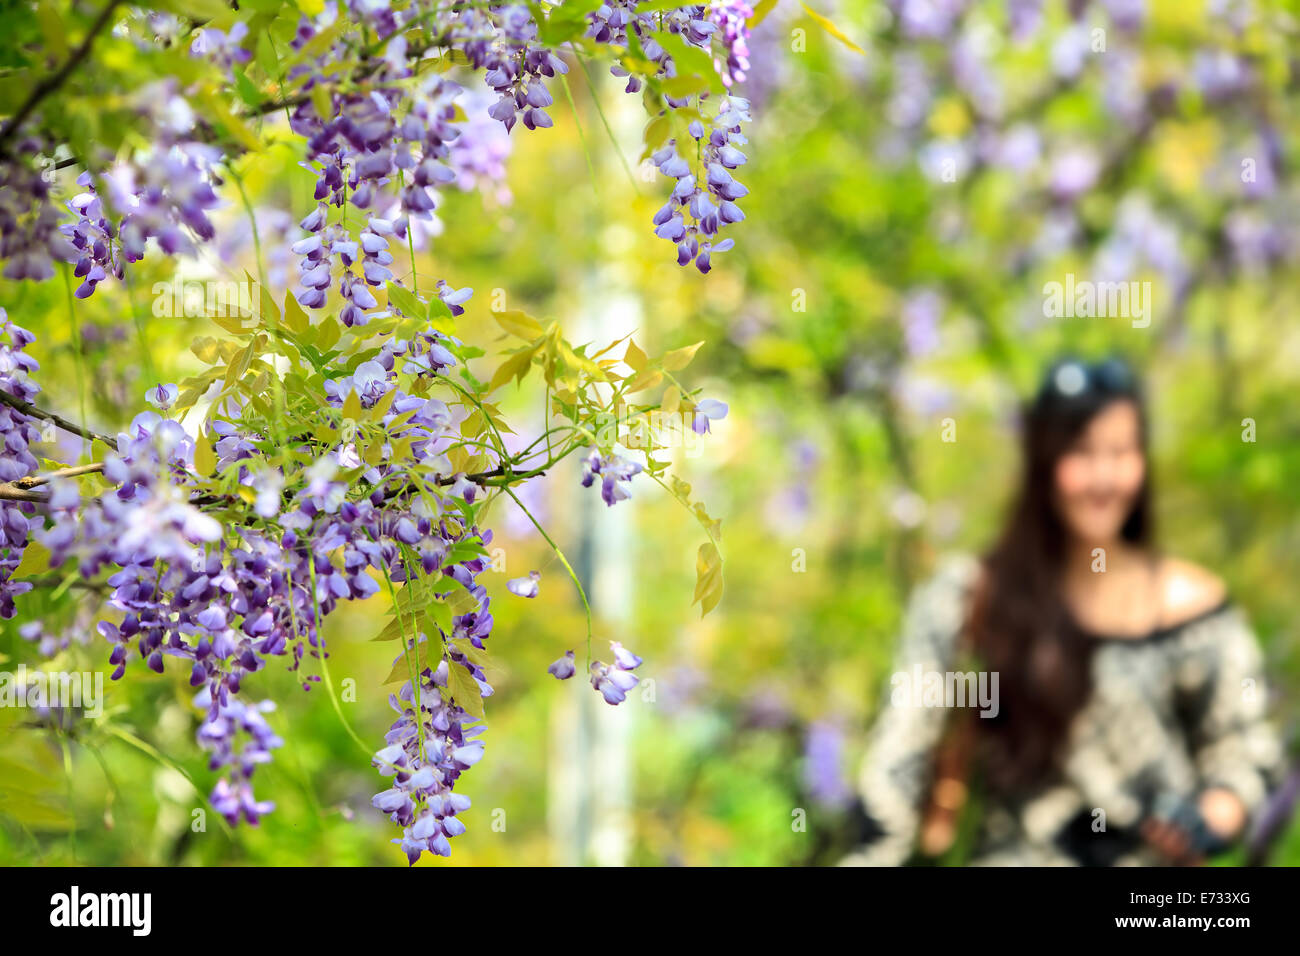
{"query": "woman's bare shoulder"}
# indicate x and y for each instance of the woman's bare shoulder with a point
(1187, 590)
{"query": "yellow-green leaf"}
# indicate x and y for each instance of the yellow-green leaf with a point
(516, 366)
(402, 669)
(406, 300)
(377, 411)
(708, 578)
(761, 10)
(680, 358)
(519, 324)
(352, 406)
(294, 316)
(647, 379)
(270, 311)
(206, 349)
(832, 29)
(205, 460)
(634, 357)
(671, 401)
(36, 560)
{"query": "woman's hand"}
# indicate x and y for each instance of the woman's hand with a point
(939, 824)
(1223, 812)
(1223, 815)
(1171, 842)
(938, 832)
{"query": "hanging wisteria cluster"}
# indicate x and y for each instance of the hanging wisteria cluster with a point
(228, 598)
(344, 448)
(381, 130)
(20, 433)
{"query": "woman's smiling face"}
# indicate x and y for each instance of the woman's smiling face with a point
(1098, 479)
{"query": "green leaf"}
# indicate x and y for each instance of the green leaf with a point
(690, 59)
(266, 58)
(656, 134)
(680, 358)
(53, 30)
(461, 602)
(328, 332)
(205, 460)
(320, 99)
(270, 311)
(647, 379)
(634, 358)
(464, 551)
(479, 657)
(761, 10)
(407, 301)
(574, 360)
(516, 367)
(680, 87)
(708, 578)
(294, 316)
(377, 411)
(437, 614)
(464, 689)
(519, 324)
(352, 406)
(391, 632)
(247, 91)
(36, 560)
(424, 653)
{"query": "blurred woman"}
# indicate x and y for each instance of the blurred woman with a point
(1129, 721)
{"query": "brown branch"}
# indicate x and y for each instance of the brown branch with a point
(10, 492)
(35, 481)
(29, 409)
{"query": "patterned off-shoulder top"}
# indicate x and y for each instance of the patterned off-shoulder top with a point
(1179, 710)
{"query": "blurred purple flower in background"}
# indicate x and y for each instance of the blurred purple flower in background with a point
(920, 315)
(824, 775)
(479, 154)
(922, 395)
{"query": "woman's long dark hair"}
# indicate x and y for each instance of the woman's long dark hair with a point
(1019, 625)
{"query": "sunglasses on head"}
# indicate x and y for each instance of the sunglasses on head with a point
(1074, 378)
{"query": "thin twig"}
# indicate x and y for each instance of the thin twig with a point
(29, 409)
(75, 471)
(55, 580)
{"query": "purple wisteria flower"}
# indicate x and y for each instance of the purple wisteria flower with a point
(525, 587)
(19, 432)
(613, 470)
(613, 683)
(227, 600)
(564, 668)
(426, 750)
(161, 397)
(707, 410)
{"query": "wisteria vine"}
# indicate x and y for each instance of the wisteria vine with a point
(341, 446)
